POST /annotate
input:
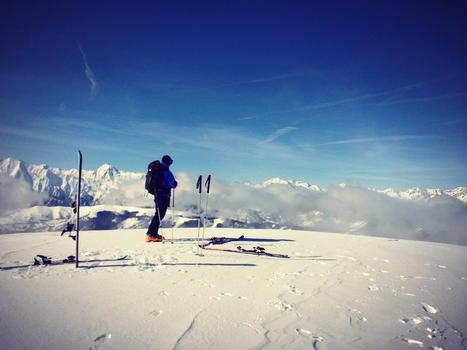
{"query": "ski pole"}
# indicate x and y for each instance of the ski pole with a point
(199, 187)
(207, 184)
(173, 209)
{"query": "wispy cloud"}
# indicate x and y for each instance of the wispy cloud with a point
(58, 136)
(86, 124)
(423, 99)
(228, 141)
(456, 121)
(90, 75)
(394, 138)
(225, 140)
(278, 133)
(278, 77)
(341, 102)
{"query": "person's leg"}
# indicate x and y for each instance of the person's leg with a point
(154, 225)
(162, 204)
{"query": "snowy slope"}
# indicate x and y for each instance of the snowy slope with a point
(336, 292)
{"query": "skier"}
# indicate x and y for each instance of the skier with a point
(161, 199)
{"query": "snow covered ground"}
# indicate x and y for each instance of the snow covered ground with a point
(335, 292)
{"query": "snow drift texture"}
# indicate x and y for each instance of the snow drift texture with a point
(432, 214)
(335, 292)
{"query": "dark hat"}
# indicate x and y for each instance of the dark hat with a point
(167, 160)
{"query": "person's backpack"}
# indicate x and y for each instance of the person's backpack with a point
(154, 177)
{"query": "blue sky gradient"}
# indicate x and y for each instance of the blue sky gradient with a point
(369, 93)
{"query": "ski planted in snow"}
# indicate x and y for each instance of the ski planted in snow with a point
(78, 204)
(199, 187)
(73, 225)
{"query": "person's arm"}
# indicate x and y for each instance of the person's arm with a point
(170, 179)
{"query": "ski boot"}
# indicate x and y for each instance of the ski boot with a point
(154, 238)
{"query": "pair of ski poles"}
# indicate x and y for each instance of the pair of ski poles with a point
(199, 187)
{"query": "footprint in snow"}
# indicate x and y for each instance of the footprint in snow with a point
(282, 306)
(430, 309)
(305, 332)
(413, 342)
(356, 319)
(413, 321)
(156, 313)
(433, 333)
(316, 341)
(293, 289)
(100, 340)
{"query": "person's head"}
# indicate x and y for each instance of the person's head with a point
(167, 160)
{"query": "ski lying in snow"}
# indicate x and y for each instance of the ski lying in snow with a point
(254, 251)
(44, 260)
(209, 241)
(220, 240)
(40, 260)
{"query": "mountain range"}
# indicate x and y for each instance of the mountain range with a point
(60, 184)
(38, 198)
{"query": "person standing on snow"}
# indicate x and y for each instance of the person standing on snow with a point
(163, 182)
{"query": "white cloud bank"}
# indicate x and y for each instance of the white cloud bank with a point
(16, 194)
(344, 209)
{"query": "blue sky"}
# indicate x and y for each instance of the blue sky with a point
(364, 93)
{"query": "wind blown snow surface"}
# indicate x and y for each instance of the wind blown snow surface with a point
(335, 292)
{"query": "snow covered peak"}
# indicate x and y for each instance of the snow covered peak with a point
(419, 194)
(107, 171)
(14, 168)
(458, 192)
(8, 164)
(389, 192)
(275, 181)
(291, 183)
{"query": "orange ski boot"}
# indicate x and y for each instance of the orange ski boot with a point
(156, 238)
